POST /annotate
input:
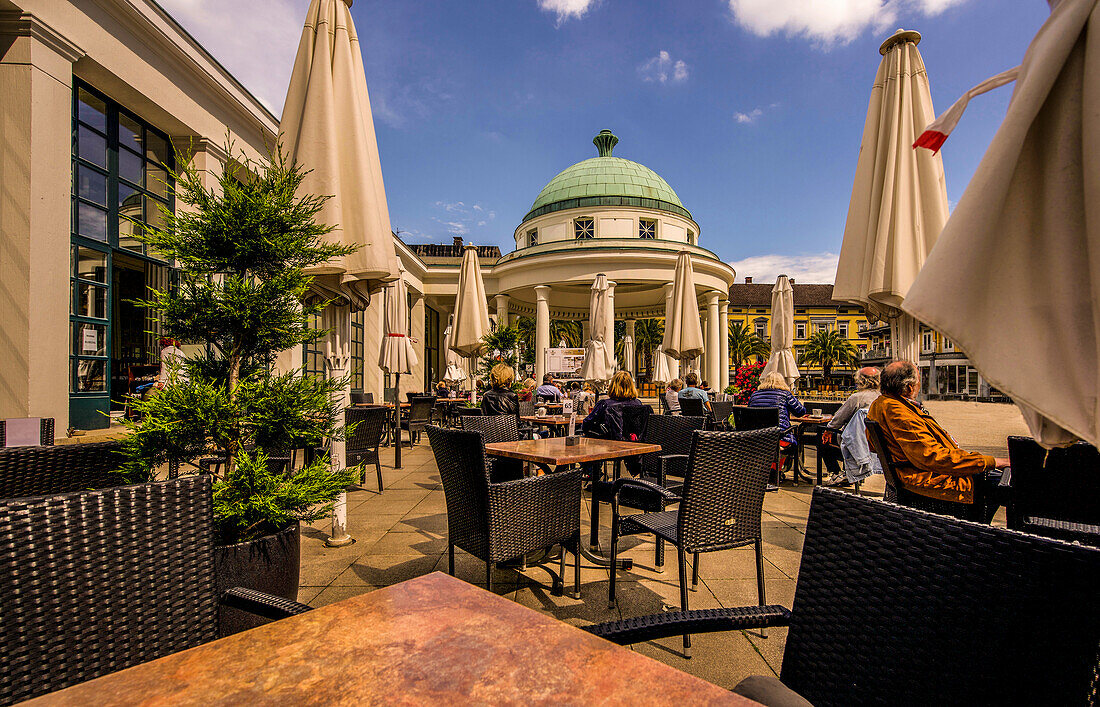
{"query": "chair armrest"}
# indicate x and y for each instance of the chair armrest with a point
(677, 623)
(641, 485)
(262, 604)
(663, 464)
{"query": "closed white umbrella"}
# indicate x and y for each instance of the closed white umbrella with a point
(471, 316)
(899, 197)
(683, 339)
(327, 128)
(1015, 278)
(396, 355)
(662, 372)
(599, 357)
(452, 372)
(782, 359)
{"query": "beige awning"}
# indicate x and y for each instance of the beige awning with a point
(327, 128)
(1015, 278)
(899, 197)
(683, 329)
(471, 317)
(397, 354)
(782, 358)
(599, 358)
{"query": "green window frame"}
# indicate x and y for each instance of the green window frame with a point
(584, 228)
(357, 343)
(313, 353)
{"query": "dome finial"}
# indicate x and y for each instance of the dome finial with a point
(605, 142)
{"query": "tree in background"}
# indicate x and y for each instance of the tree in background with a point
(499, 346)
(744, 344)
(826, 349)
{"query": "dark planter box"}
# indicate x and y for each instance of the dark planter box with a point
(269, 564)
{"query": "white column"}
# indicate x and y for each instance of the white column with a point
(542, 330)
(723, 332)
(338, 357)
(610, 321)
(502, 310)
(673, 365)
(628, 348)
(714, 344)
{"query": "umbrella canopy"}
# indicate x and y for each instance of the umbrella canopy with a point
(396, 355)
(452, 372)
(471, 317)
(1015, 278)
(899, 198)
(599, 357)
(782, 358)
(327, 128)
(662, 372)
(683, 329)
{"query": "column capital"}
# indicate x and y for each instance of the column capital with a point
(542, 292)
(25, 24)
(711, 297)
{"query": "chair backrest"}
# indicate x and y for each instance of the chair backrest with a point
(97, 581)
(665, 409)
(826, 408)
(673, 433)
(420, 409)
(721, 411)
(460, 457)
(470, 412)
(362, 398)
(931, 610)
(692, 407)
(1062, 484)
(747, 418)
(44, 436)
(546, 398)
(493, 428)
(635, 418)
(723, 493)
(878, 443)
(526, 408)
(370, 424)
(38, 471)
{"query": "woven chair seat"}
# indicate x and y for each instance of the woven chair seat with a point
(662, 524)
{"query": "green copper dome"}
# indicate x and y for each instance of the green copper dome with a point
(606, 181)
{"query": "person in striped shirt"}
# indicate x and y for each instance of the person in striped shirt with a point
(775, 393)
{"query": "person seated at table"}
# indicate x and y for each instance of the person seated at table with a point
(691, 388)
(583, 398)
(441, 390)
(932, 463)
(606, 419)
(500, 399)
(866, 393)
(527, 392)
(549, 390)
(705, 387)
(672, 395)
(775, 393)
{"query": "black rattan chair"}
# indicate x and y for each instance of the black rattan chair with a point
(45, 437)
(750, 418)
(362, 398)
(898, 606)
(722, 500)
(720, 411)
(1055, 493)
(673, 433)
(693, 407)
(420, 416)
(663, 402)
(38, 471)
(363, 443)
(897, 493)
(497, 428)
(496, 522)
(97, 581)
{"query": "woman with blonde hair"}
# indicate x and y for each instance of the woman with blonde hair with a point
(775, 393)
(527, 394)
(500, 399)
(606, 419)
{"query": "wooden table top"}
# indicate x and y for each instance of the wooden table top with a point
(431, 640)
(812, 419)
(550, 419)
(554, 452)
(390, 405)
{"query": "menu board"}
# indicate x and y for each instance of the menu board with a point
(564, 363)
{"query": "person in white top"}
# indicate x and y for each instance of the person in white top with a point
(171, 357)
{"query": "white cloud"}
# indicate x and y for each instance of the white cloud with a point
(258, 52)
(829, 22)
(459, 217)
(812, 268)
(749, 117)
(567, 9)
(663, 69)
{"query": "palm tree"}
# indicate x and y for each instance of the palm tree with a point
(570, 331)
(827, 348)
(745, 344)
(648, 334)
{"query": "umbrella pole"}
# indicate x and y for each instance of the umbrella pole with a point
(397, 421)
(337, 457)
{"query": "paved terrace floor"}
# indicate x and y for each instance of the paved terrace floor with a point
(401, 534)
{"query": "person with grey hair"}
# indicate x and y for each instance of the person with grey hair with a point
(930, 462)
(867, 380)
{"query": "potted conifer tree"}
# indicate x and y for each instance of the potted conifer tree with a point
(242, 247)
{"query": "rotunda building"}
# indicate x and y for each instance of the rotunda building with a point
(614, 216)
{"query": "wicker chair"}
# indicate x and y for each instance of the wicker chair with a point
(693, 407)
(38, 471)
(362, 446)
(663, 402)
(496, 522)
(1055, 493)
(45, 438)
(722, 500)
(897, 606)
(97, 581)
(897, 493)
(673, 433)
(497, 428)
(420, 416)
(750, 418)
(720, 411)
(362, 398)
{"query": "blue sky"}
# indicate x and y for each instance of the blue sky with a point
(752, 110)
